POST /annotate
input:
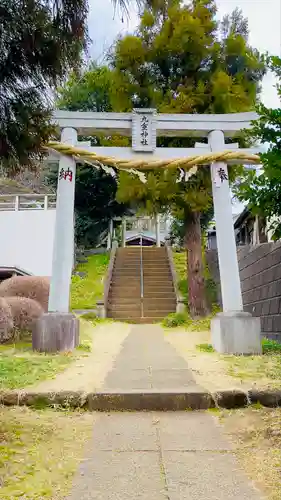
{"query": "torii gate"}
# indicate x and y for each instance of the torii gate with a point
(233, 331)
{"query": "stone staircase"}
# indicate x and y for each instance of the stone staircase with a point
(124, 299)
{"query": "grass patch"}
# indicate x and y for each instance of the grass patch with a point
(174, 320)
(180, 263)
(21, 367)
(87, 290)
(20, 371)
(27, 471)
(183, 320)
(256, 432)
(205, 348)
(270, 346)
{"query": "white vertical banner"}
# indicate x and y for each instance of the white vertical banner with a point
(219, 174)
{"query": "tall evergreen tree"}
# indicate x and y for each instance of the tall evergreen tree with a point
(181, 60)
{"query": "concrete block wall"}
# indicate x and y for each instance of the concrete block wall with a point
(260, 274)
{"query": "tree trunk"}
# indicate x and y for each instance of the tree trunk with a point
(195, 276)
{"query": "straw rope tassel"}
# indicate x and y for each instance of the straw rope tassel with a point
(185, 163)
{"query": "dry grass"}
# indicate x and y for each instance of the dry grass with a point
(255, 368)
(257, 434)
(28, 468)
(217, 372)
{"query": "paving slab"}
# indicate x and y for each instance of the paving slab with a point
(121, 476)
(121, 432)
(195, 431)
(160, 456)
(212, 476)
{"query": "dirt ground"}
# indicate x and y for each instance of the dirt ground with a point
(256, 434)
(88, 373)
(217, 372)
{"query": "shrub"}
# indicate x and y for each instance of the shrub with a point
(6, 321)
(271, 346)
(24, 311)
(31, 287)
(205, 348)
(176, 319)
(90, 316)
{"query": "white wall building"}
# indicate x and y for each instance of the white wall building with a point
(27, 225)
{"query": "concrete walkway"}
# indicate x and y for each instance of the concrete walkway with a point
(157, 456)
(147, 361)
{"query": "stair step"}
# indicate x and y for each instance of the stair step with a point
(126, 309)
(123, 314)
(127, 280)
(147, 320)
(156, 274)
(115, 296)
(155, 301)
(155, 313)
(124, 302)
(125, 262)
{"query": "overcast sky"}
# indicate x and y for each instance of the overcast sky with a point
(264, 23)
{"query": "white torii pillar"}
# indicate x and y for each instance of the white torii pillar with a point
(58, 330)
(233, 331)
(64, 231)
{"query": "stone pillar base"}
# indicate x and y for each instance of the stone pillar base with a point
(236, 333)
(55, 332)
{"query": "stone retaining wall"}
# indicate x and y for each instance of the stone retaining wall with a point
(260, 274)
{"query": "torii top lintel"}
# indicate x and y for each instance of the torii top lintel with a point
(170, 125)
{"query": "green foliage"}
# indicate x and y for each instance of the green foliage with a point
(90, 316)
(84, 346)
(87, 290)
(180, 263)
(21, 371)
(91, 91)
(261, 191)
(175, 319)
(182, 60)
(40, 42)
(270, 346)
(205, 348)
(21, 367)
